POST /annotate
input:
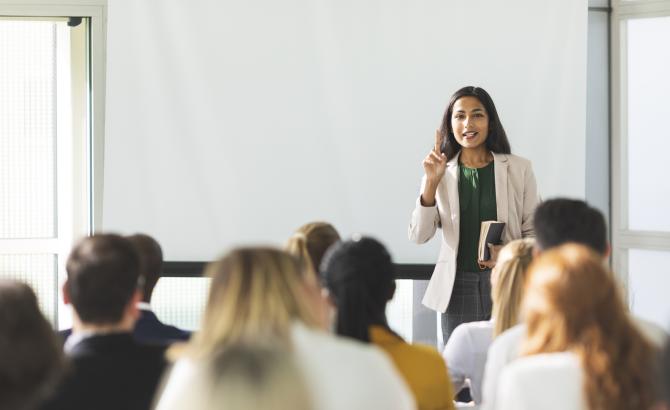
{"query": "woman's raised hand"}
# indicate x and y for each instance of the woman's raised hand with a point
(434, 166)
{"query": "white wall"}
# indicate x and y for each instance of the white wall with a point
(233, 122)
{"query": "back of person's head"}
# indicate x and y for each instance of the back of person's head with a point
(559, 221)
(249, 376)
(30, 356)
(151, 262)
(358, 273)
(102, 278)
(572, 303)
(310, 242)
(255, 294)
(508, 281)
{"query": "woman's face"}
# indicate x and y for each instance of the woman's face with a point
(469, 122)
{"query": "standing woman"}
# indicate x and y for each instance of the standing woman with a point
(470, 176)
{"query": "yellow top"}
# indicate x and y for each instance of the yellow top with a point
(422, 368)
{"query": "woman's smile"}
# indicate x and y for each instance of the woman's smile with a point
(470, 122)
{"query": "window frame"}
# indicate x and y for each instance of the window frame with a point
(624, 238)
(84, 152)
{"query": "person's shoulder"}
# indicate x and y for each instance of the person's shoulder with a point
(422, 353)
(557, 364)
(473, 330)
(482, 326)
(546, 381)
(329, 345)
(407, 356)
(365, 370)
(508, 342)
(516, 160)
(544, 371)
(652, 332)
(153, 350)
(339, 353)
(513, 333)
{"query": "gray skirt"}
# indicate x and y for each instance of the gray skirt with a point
(470, 301)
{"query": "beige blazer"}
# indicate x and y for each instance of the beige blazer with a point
(516, 199)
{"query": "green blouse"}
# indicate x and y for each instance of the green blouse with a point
(477, 197)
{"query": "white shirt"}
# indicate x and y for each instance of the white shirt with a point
(340, 374)
(550, 381)
(465, 355)
(505, 348)
(346, 374)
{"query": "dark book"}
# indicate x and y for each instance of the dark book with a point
(490, 232)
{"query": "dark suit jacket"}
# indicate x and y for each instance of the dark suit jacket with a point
(109, 372)
(148, 329)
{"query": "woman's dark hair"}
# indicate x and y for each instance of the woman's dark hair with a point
(31, 359)
(497, 138)
(359, 276)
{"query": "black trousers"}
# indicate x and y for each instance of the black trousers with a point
(470, 301)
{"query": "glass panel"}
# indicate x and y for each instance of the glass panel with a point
(27, 129)
(425, 322)
(399, 309)
(180, 301)
(648, 113)
(38, 271)
(648, 284)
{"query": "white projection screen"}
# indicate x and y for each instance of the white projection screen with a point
(234, 122)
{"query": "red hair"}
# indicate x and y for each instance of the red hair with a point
(572, 303)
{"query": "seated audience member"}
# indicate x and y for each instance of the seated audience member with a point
(556, 222)
(465, 353)
(109, 369)
(358, 275)
(263, 296)
(148, 328)
(31, 359)
(582, 350)
(246, 377)
(310, 242)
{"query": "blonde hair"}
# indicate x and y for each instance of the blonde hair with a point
(572, 303)
(309, 243)
(510, 276)
(255, 294)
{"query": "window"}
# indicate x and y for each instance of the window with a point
(640, 228)
(44, 160)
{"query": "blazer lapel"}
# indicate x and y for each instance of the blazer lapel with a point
(500, 168)
(451, 179)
